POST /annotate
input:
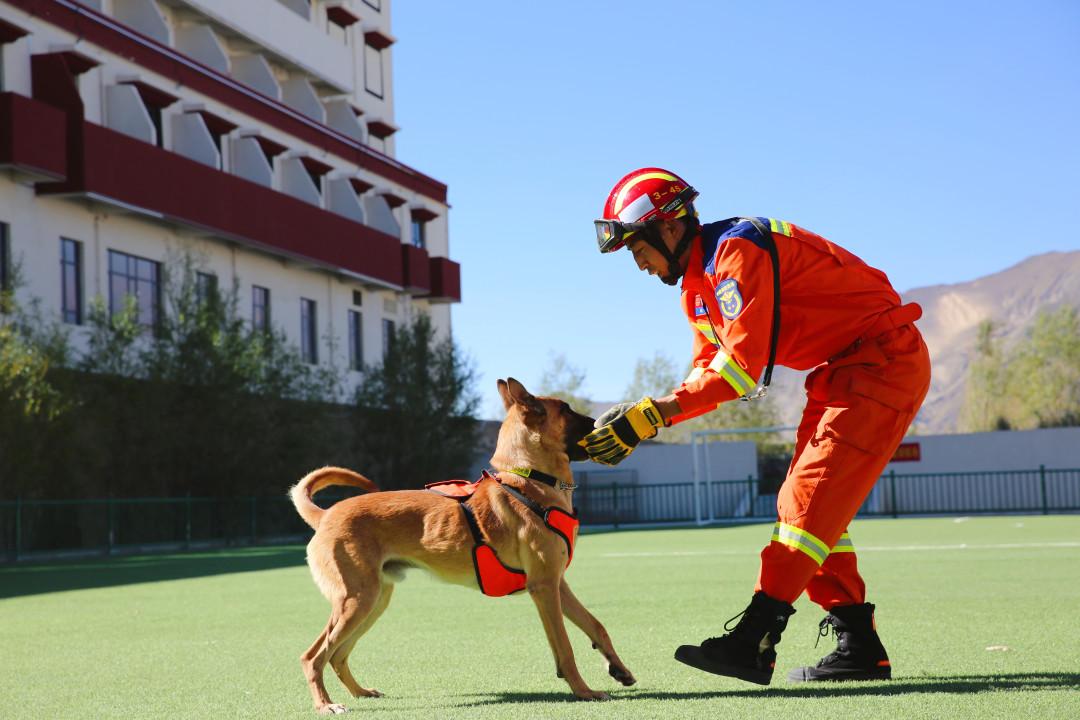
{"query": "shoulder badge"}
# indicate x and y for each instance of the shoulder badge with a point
(699, 307)
(729, 299)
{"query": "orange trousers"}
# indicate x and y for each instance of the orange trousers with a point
(859, 406)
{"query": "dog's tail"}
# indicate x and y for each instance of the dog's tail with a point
(315, 481)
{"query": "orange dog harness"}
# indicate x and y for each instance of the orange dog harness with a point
(495, 578)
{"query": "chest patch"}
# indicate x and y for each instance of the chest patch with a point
(729, 299)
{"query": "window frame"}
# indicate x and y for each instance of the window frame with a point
(205, 286)
(71, 316)
(136, 263)
(5, 256)
(418, 229)
(263, 326)
(389, 328)
(309, 335)
(381, 93)
(356, 340)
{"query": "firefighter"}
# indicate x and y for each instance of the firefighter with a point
(759, 291)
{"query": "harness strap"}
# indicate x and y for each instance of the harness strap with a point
(774, 335)
(527, 502)
(474, 526)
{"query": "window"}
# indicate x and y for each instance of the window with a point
(309, 340)
(418, 237)
(373, 71)
(387, 335)
(5, 257)
(71, 271)
(131, 276)
(356, 340)
(205, 287)
(260, 309)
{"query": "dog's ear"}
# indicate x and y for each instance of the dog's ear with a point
(504, 393)
(519, 395)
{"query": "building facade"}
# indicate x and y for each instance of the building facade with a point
(254, 136)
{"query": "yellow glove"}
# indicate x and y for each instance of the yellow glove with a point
(620, 429)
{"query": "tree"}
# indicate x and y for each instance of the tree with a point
(29, 347)
(1046, 367)
(417, 410)
(986, 391)
(201, 403)
(1035, 383)
(564, 381)
(653, 377)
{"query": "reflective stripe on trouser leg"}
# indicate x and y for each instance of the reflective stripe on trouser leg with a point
(800, 540)
(844, 544)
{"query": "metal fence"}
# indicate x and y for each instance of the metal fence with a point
(37, 528)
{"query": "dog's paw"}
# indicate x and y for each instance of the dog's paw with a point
(622, 675)
(367, 692)
(333, 709)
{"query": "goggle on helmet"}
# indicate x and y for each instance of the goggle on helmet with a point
(638, 198)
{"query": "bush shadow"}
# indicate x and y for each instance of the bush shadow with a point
(22, 580)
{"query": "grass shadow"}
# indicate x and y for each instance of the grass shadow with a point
(953, 684)
(22, 580)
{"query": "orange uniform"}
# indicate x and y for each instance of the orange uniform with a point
(871, 372)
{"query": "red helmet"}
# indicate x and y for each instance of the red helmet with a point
(646, 194)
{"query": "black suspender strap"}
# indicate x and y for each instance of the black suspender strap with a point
(770, 242)
(527, 502)
(474, 526)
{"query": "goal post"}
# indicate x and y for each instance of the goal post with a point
(701, 466)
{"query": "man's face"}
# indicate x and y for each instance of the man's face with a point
(649, 259)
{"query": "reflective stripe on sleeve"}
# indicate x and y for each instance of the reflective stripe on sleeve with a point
(844, 544)
(779, 226)
(733, 373)
(695, 374)
(800, 539)
(706, 329)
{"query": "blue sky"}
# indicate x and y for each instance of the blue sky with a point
(938, 141)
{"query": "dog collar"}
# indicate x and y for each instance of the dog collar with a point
(530, 474)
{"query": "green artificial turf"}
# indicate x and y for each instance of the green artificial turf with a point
(979, 616)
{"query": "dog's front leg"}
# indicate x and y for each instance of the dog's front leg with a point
(546, 594)
(580, 616)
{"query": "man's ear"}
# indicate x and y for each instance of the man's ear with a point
(519, 395)
(671, 231)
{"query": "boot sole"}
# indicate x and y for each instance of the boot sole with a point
(810, 674)
(691, 655)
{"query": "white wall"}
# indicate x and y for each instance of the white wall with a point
(1007, 450)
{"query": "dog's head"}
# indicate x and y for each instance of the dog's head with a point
(551, 424)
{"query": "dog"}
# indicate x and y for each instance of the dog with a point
(363, 544)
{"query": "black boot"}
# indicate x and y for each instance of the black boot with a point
(746, 652)
(859, 654)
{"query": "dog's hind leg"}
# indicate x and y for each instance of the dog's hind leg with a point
(346, 616)
(339, 661)
(577, 614)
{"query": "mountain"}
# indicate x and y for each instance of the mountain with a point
(951, 315)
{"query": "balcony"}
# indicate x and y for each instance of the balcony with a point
(445, 275)
(32, 139)
(102, 31)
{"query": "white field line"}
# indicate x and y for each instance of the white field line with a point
(858, 548)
